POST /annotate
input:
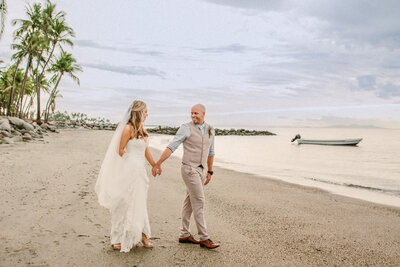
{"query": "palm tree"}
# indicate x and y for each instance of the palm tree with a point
(36, 40)
(31, 47)
(30, 31)
(53, 102)
(22, 49)
(65, 64)
(10, 79)
(3, 12)
(5, 82)
(57, 32)
(30, 91)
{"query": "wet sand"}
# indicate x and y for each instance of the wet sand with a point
(50, 215)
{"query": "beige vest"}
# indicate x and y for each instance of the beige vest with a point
(197, 146)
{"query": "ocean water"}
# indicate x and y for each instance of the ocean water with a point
(369, 171)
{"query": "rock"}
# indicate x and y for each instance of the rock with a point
(27, 137)
(44, 126)
(1, 136)
(5, 125)
(15, 132)
(34, 124)
(7, 140)
(5, 133)
(17, 139)
(28, 126)
(20, 124)
(52, 128)
(17, 122)
(23, 131)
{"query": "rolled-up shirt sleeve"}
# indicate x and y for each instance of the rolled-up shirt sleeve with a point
(180, 136)
(212, 153)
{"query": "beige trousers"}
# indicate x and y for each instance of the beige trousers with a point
(194, 202)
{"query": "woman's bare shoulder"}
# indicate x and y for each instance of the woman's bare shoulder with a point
(128, 130)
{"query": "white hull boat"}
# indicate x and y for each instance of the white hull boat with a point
(344, 142)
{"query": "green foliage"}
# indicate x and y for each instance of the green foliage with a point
(76, 117)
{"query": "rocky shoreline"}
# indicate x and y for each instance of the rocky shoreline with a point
(14, 130)
(172, 131)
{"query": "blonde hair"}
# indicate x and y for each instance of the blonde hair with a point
(137, 113)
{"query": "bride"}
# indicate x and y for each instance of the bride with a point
(122, 183)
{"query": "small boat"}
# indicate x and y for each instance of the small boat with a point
(344, 142)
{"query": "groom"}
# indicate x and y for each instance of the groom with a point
(198, 154)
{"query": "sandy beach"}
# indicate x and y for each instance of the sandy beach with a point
(50, 215)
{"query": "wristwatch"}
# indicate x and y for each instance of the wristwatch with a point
(210, 172)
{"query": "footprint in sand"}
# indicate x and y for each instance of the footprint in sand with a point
(33, 253)
(83, 236)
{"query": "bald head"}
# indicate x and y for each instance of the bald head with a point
(200, 106)
(198, 112)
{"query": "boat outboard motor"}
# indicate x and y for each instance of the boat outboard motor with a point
(298, 136)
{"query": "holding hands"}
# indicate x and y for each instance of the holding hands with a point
(156, 170)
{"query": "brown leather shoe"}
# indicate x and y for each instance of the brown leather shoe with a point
(208, 244)
(189, 239)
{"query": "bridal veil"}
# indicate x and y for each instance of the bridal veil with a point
(108, 185)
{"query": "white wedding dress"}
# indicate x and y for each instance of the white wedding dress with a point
(129, 218)
(124, 192)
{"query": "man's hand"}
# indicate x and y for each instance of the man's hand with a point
(208, 179)
(159, 170)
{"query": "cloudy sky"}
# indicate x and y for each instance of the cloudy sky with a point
(252, 63)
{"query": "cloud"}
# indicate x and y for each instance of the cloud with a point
(389, 90)
(129, 70)
(234, 48)
(271, 5)
(392, 62)
(367, 82)
(366, 21)
(385, 90)
(89, 43)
